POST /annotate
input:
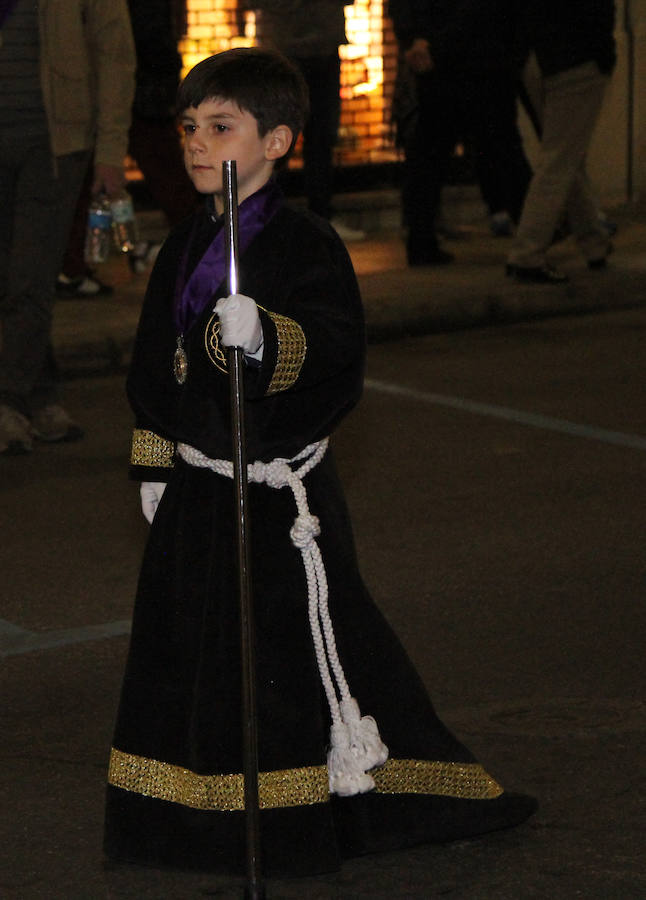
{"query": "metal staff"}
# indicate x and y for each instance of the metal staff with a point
(254, 889)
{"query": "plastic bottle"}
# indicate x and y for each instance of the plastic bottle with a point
(98, 232)
(124, 224)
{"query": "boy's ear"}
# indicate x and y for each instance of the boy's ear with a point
(279, 142)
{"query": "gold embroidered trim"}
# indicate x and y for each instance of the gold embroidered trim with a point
(292, 787)
(468, 781)
(214, 349)
(152, 778)
(292, 348)
(149, 449)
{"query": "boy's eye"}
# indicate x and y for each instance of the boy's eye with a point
(188, 128)
(220, 128)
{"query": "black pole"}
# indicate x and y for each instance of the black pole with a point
(254, 888)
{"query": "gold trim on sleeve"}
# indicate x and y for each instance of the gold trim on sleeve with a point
(292, 787)
(149, 449)
(292, 348)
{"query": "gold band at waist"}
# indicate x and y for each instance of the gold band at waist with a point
(149, 449)
(292, 787)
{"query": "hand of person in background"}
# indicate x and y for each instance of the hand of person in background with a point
(240, 324)
(418, 56)
(108, 179)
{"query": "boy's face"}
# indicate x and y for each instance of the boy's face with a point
(218, 130)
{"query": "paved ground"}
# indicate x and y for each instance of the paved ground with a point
(495, 480)
(519, 596)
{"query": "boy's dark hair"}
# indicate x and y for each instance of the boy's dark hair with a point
(261, 82)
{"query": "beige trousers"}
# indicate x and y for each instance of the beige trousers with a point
(569, 108)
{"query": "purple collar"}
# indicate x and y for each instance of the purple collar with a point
(192, 295)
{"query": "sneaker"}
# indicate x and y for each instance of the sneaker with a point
(142, 256)
(501, 225)
(345, 232)
(52, 424)
(16, 435)
(607, 224)
(81, 286)
(601, 261)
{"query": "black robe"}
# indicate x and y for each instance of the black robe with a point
(175, 792)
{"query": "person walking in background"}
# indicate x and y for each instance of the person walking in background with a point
(66, 87)
(153, 141)
(575, 50)
(310, 32)
(465, 58)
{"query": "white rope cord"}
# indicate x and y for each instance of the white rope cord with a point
(355, 744)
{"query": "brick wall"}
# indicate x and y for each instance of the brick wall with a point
(368, 66)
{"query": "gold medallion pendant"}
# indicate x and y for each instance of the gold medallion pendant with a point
(180, 361)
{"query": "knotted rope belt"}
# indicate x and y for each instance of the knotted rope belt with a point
(355, 744)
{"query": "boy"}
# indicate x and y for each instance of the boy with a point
(175, 784)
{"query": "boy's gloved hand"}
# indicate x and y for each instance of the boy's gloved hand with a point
(240, 324)
(151, 493)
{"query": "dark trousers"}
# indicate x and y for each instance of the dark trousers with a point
(37, 200)
(322, 74)
(479, 109)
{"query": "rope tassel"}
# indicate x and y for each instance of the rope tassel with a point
(355, 743)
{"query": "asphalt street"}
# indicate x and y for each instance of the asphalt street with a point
(495, 478)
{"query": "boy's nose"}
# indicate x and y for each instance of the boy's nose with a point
(194, 142)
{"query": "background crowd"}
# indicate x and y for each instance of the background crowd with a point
(84, 83)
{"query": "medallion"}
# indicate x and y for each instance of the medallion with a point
(180, 361)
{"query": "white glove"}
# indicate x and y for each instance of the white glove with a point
(151, 493)
(240, 324)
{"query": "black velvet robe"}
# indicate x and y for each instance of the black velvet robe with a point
(175, 784)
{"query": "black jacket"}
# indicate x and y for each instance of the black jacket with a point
(156, 33)
(298, 268)
(463, 35)
(568, 34)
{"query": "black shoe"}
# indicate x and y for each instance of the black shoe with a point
(602, 261)
(536, 274)
(598, 263)
(429, 256)
(561, 233)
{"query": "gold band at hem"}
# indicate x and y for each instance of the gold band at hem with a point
(292, 348)
(149, 449)
(152, 778)
(292, 787)
(467, 781)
